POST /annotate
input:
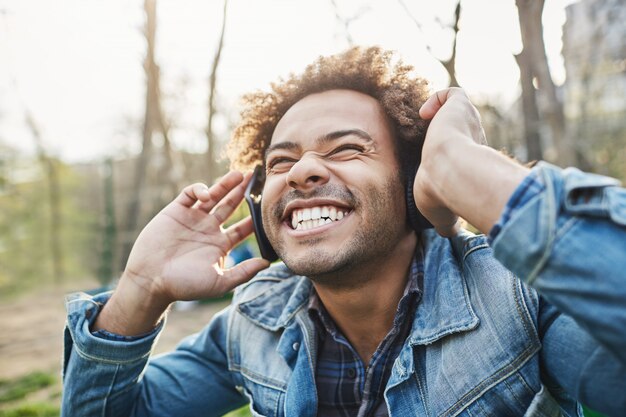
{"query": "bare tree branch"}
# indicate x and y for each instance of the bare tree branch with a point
(448, 64)
(345, 22)
(212, 93)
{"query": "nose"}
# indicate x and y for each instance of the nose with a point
(309, 172)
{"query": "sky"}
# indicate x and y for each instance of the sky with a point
(76, 65)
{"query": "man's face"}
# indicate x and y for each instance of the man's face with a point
(333, 197)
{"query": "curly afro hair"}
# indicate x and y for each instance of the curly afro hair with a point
(366, 70)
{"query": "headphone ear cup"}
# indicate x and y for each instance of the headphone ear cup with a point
(417, 221)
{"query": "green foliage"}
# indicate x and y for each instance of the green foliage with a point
(11, 390)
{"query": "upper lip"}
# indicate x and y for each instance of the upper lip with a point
(313, 202)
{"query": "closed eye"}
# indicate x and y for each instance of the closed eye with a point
(346, 150)
(280, 164)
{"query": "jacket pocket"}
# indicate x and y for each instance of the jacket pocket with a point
(264, 401)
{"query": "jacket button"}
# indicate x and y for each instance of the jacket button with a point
(295, 346)
(351, 373)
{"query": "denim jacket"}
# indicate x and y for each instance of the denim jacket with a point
(482, 343)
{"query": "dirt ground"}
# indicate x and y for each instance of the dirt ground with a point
(31, 330)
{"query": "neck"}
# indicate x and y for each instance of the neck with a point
(364, 311)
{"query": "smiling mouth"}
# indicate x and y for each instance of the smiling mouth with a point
(311, 217)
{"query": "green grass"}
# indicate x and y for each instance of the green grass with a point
(31, 410)
(14, 396)
(16, 389)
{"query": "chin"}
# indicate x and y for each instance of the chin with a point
(322, 266)
(309, 266)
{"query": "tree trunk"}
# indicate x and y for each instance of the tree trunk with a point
(211, 157)
(106, 272)
(54, 201)
(530, 12)
(450, 64)
(530, 110)
(151, 120)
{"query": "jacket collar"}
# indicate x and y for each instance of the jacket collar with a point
(445, 306)
(274, 296)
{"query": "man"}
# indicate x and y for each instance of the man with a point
(367, 317)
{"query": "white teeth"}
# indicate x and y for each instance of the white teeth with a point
(307, 218)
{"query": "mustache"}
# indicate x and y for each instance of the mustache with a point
(333, 191)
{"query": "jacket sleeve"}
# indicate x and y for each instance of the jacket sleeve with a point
(569, 242)
(117, 378)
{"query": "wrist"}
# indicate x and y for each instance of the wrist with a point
(477, 184)
(133, 309)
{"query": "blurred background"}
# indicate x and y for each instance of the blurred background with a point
(107, 108)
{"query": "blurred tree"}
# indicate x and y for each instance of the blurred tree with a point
(26, 256)
(534, 69)
(106, 270)
(530, 111)
(155, 131)
(49, 166)
(211, 142)
(594, 54)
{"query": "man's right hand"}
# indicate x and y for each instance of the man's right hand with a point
(458, 176)
(178, 256)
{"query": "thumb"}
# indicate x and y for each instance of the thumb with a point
(242, 272)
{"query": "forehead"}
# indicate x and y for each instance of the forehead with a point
(319, 114)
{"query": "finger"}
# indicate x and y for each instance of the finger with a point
(241, 273)
(192, 193)
(209, 196)
(437, 100)
(228, 204)
(239, 231)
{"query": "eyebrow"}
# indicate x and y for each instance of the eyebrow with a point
(328, 137)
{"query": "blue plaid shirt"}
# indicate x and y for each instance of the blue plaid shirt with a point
(345, 386)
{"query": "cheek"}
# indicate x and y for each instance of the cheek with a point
(271, 197)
